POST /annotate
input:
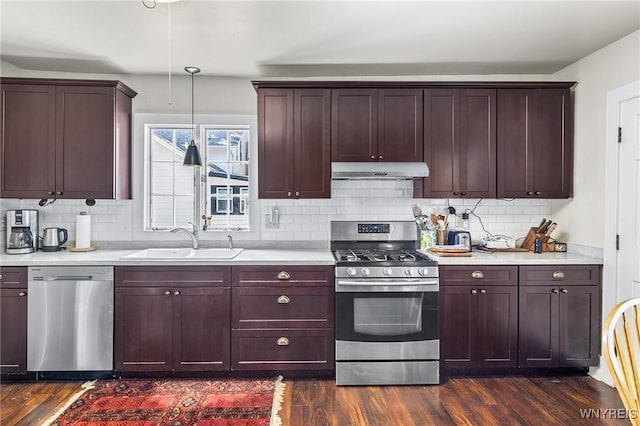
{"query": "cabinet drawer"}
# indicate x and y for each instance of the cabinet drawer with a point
(264, 276)
(567, 274)
(13, 277)
(476, 275)
(287, 349)
(291, 307)
(186, 276)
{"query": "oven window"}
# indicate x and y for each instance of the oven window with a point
(381, 316)
(386, 317)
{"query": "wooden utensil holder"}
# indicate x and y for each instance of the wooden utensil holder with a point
(532, 236)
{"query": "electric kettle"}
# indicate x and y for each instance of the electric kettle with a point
(53, 239)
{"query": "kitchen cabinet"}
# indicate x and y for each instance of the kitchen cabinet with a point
(65, 139)
(383, 124)
(294, 159)
(534, 143)
(282, 318)
(478, 316)
(459, 143)
(560, 316)
(172, 319)
(13, 320)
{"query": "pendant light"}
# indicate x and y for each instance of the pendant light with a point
(192, 157)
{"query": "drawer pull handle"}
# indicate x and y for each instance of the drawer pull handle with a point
(283, 275)
(22, 293)
(554, 290)
(167, 293)
(474, 291)
(558, 274)
(283, 300)
(477, 275)
(483, 291)
(564, 290)
(283, 341)
(177, 293)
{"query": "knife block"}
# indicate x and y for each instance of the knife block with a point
(531, 237)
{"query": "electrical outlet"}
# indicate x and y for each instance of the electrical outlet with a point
(272, 220)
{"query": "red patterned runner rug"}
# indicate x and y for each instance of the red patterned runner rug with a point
(143, 402)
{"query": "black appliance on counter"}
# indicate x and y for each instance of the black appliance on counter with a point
(386, 305)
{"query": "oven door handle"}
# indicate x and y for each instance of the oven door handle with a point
(433, 282)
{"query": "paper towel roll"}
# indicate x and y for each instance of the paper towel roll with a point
(83, 230)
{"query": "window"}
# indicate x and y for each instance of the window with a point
(176, 195)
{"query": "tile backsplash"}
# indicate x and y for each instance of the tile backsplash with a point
(309, 219)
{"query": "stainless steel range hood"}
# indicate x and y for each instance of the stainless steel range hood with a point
(375, 170)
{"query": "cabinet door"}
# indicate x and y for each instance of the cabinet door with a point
(201, 329)
(275, 143)
(400, 125)
(312, 143)
(579, 339)
(85, 142)
(143, 329)
(477, 164)
(497, 326)
(458, 325)
(515, 142)
(13, 330)
(553, 144)
(538, 320)
(354, 127)
(441, 142)
(28, 149)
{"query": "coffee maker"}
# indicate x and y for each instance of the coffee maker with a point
(22, 231)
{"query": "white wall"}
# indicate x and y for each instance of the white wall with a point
(583, 217)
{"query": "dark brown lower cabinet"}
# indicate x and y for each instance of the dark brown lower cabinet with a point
(13, 320)
(172, 319)
(478, 316)
(559, 316)
(282, 318)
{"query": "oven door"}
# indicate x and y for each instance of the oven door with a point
(386, 320)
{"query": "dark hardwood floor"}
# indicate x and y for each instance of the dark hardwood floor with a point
(507, 400)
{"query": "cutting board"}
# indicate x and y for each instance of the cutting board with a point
(440, 253)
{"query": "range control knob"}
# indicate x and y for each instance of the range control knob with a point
(352, 272)
(408, 271)
(422, 271)
(365, 272)
(387, 271)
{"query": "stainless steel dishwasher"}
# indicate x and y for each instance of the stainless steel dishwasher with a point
(70, 319)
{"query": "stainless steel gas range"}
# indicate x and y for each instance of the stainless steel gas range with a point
(386, 305)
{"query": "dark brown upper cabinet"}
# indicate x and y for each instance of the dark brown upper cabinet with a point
(65, 139)
(376, 124)
(294, 151)
(535, 143)
(459, 143)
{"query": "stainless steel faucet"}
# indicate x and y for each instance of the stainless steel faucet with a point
(230, 238)
(193, 234)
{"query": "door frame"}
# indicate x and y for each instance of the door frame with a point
(610, 270)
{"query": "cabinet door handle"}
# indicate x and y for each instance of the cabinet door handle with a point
(537, 192)
(283, 275)
(474, 291)
(282, 341)
(380, 157)
(477, 275)
(455, 193)
(288, 194)
(50, 192)
(167, 293)
(59, 193)
(564, 290)
(297, 193)
(463, 193)
(373, 157)
(554, 290)
(529, 192)
(283, 300)
(176, 293)
(483, 291)
(558, 275)
(22, 293)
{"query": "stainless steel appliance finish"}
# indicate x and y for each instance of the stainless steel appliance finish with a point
(378, 170)
(22, 231)
(53, 239)
(70, 319)
(386, 305)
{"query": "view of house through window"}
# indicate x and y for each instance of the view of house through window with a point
(222, 183)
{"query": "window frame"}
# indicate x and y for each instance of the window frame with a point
(140, 173)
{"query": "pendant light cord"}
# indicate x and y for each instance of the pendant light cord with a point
(193, 127)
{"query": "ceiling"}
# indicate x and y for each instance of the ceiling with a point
(309, 38)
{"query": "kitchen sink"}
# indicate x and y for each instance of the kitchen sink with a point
(185, 254)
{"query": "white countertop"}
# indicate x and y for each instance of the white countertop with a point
(114, 257)
(518, 258)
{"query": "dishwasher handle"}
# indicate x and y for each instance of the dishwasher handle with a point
(64, 278)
